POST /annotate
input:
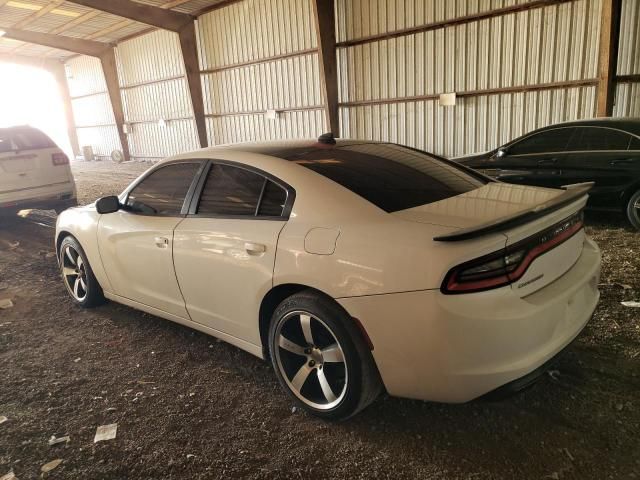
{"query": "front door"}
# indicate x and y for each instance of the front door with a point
(536, 159)
(136, 242)
(224, 253)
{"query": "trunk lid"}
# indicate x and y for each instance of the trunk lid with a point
(525, 215)
(29, 169)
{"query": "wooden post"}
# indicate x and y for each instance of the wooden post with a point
(608, 56)
(61, 79)
(189, 47)
(324, 12)
(110, 70)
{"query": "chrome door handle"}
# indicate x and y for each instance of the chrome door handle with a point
(161, 242)
(254, 248)
(624, 161)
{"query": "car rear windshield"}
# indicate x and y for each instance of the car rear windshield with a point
(390, 176)
(27, 138)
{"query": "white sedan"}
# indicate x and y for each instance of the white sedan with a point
(354, 266)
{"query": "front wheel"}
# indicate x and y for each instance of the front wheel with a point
(633, 210)
(77, 275)
(320, 357)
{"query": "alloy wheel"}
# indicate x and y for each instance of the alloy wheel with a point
(74, 273)
(311, 360)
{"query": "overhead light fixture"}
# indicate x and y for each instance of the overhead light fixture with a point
(33, 7)
(2, 32)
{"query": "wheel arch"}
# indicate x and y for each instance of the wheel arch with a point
(629, 192)
(62, 234)
(275, 296)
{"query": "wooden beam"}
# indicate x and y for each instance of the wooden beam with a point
(38, 13)
(58, 71)
(108, 61)
(189, 48)
(608, 56)
(76, 45)
(325, 20)
(156, 16)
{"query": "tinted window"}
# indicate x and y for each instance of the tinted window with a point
(273, 200)
(164, 190)
(31, 139)
(389, 176)
(230, 191)
(548, 141)
(593, 138)
(635, 144)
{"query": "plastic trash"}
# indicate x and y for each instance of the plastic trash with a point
(54, 441)
(106, 432)
(47, 467)
(5, 303)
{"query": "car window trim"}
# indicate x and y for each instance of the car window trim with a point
(197, 194)
(522, 139)
(124, 196)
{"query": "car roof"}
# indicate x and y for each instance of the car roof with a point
(628, 124)
(284, 149)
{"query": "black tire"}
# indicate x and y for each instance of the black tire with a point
(355, 377)
(633, 210)
(89, 292)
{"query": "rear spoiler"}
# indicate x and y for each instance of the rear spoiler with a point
(571, 193)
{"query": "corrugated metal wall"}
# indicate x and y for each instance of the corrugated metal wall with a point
(260, 55)
(237, 94)
(557, 43)
(627, 101)
(155, 96)
(92, 110)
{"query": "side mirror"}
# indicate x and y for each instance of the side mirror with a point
(108, 204)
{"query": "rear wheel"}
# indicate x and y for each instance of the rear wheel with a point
(77, 274)
(320, 357)
(633, 210)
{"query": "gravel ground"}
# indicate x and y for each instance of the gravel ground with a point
(188, 406)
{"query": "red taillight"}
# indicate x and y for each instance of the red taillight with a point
(59, 159)
(506, 266)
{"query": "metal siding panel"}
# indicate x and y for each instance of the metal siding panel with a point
(170, 100)
(627, 100)
(150, 140)
(86, 76)
(92, 110)
(629, 44)
(103, 140)
(137, 65)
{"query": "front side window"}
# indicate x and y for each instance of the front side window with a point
(549, 141)
(163, 191)
(233, 191)
(594, 138)
(390, 176)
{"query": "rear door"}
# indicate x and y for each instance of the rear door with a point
(536, 159)
(224, 251)
(32, 165)
(607, 156)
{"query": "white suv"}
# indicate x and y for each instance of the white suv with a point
(34, 172)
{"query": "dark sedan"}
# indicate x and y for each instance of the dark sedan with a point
(605, 151)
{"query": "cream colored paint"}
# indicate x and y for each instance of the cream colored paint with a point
(386, 270)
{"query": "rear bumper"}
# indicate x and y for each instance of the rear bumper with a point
(454, 348)
(54, 202)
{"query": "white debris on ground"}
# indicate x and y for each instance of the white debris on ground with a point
(5, 303)
(47, 467)
(3, 419)
(631, 304)
(106, 432)
(9, 476)
(54, 441)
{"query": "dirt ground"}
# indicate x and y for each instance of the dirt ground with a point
(190, 407)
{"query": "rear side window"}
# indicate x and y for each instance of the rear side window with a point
(390, 176)
(233, 191)
(31, 139)
(635, 144)
(549, 141)
(163, 191)
(594, 138)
